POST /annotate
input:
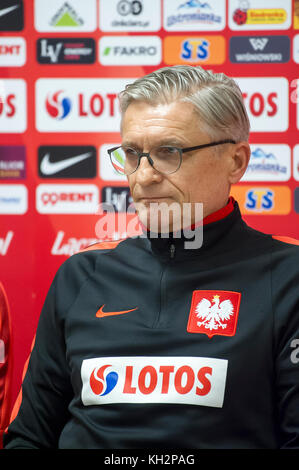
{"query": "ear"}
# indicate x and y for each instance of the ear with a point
(239, 161)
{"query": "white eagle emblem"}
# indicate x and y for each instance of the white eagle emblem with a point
(213, 316)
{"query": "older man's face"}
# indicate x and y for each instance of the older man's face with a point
(204, 174)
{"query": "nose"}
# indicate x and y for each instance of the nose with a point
(145, 174)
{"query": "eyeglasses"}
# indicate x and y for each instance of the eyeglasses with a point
(164, 159)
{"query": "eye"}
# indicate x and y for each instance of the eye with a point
(130, 152)
(165, 152)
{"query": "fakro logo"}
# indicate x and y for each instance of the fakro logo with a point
(181, 380)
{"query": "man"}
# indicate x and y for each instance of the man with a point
(149, 343)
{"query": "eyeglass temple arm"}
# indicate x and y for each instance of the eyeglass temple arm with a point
(198, 147)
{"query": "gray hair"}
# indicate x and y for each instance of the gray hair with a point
(217, 99)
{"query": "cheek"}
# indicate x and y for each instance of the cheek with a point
(131, 182)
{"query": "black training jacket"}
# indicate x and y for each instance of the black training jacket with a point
(147, 344)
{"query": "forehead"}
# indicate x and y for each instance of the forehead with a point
(178, 120)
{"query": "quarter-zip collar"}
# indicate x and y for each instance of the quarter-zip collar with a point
(214, 227)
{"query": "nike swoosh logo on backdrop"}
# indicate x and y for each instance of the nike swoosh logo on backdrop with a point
(101, 314)
(4, 11)
(50, 168)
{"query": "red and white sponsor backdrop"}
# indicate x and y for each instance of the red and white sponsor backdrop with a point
(61, 67)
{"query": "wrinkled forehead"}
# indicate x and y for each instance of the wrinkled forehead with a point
(177, 116)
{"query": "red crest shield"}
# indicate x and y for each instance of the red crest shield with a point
(214, 312)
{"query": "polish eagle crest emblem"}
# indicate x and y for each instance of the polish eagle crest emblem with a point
(214, 312)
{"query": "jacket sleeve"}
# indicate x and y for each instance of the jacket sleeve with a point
(46, 389)
(285, 294)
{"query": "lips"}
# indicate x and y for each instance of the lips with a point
(152, 199)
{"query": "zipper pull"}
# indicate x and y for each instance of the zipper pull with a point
(172, 250)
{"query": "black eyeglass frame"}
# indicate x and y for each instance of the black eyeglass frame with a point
(181, 151)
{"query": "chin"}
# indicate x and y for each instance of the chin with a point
(161, 218)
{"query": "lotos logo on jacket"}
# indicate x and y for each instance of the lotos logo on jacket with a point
(150, 379)
(101, 385)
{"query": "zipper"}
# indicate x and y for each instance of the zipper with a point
(172, 251)
(164, 268)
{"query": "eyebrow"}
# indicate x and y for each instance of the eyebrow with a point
(164, 142)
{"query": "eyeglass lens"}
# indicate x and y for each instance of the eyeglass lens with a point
(165, 159)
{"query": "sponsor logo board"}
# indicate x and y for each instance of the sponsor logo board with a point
(67, 198)
(178, 380)
(118, 197)
(12, 51)
(66, 51)
(130, 15)
(195, 15)
(296, 162)
(263, 200)
(65, 16)
(259, 14)
(13, 199)
(266, 100)
(259, 49)
(67, 162)
(194, 50)
(11, 15)
(107, 171)
(296, 48)
(130, 50)
(12, 162)
(13, 109)
(269, 162)
(78, 104)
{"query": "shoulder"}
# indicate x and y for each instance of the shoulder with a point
(279, 254)
(284, 288)
(285, 267)
(78, 269)
(272, 242)
(289, 241)
(102, 246)
(82, 263)
(286, 248)
(85, 260)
